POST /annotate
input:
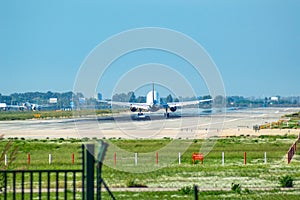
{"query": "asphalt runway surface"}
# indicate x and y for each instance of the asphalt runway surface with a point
(187, 123)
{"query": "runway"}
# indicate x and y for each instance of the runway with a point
(184, 124)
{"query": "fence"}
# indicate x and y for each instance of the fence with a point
(10, 178)
(194, 157)
(291, 152)
(29, 159)
(32, 183)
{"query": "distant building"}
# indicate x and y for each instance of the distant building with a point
(3, 106)
(274, 99)
(99, 96)
(53, 100)
(81, 101)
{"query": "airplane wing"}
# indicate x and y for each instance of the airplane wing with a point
(186, 103)
(15, 107)
(142, 106)
(118, 103)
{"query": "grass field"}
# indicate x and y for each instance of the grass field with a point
(257, 179)
(228, 195)
(291, 121)
(24, 115)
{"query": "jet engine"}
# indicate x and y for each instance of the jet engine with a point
(133, 109)
(173, 109)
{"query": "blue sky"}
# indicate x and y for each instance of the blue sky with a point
(255, 44)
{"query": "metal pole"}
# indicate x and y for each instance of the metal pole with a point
(28, 159)
(73, 158)
(5, 160)
(196, 192)
(83, 171)
(265, 157)
(5, 185)
(90, 149)
(99, 180)
(136, 158)
(14, 186)
(223, 158)
(50, 159)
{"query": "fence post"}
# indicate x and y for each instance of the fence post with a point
(179, 158)
(196, 192)
(83, 171)
(115, 158)
(50, 159)
(135, 158)
(5, 160)
(73, 158)
(245, 158)
(288, 156)
(28, 159)
(90, 164)
(265, 157)
(157, 158)
(223, 161)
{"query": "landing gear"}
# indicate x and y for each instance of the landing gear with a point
(167, 115)
(140, 112)
(141, 116)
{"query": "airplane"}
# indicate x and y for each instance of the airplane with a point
(24, 106)
(37, 107)
(153, 104)
(4, 106)
(32, 106)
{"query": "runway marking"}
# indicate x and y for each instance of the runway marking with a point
(214, 123)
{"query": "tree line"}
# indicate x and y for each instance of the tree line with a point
(64, 99)
(41, 98)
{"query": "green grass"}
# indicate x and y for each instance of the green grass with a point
(210, 175)
(291, 123)
(23, 115)
(273, 194)
(39, 151)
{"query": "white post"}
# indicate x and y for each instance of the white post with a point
(223, 158)
(179, 158)
(135, 158)
(265, 157)
(50, 159)
(5, 160)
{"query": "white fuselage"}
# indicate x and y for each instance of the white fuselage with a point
(153, 101)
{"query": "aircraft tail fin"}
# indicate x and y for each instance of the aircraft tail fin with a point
(153, 92)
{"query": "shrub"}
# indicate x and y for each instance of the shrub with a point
(133, 183)
(286, 181)
(247, 191)
(85, 139)
(236, 187)
(186, 190)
